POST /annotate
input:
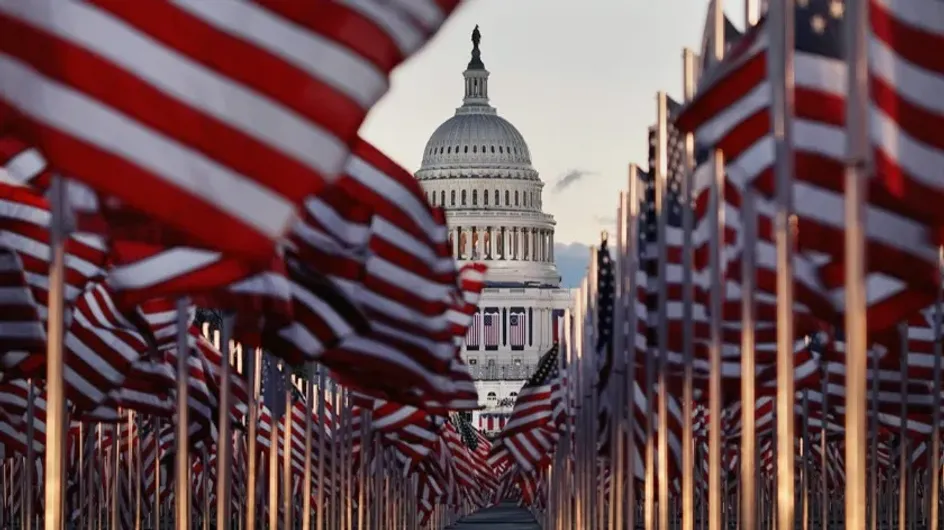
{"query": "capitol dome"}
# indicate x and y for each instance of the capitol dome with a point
(477, 166)
(477, 140)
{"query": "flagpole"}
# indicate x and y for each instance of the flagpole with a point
(748, 367)
(632, 323)
(254, 370)
(134, 470)
(55, 385)
(273, 456)
(309, 425)
(182, 473)
(224, 445)
(857, 27)
(322, 381)
(781, 75)
(617, 439)
(287, 505)
(934, 476)
(28, 486)
(659, 182)
(688, 345)
(156, 510)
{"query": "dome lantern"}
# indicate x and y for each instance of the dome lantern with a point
(476, 80)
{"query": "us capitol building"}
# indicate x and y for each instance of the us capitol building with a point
(477, 166)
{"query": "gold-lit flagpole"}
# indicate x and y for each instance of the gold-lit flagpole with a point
(659, 182)
(182, 473)
(857, 149)
(688, 333)
(781, 75)
(56, 428)
(254, 369)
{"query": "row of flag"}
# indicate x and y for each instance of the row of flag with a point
(761, 343)
(191, 233)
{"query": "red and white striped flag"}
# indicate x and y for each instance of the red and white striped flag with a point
(492, 325)
(217, 118)
(517, 328)
(474, 332)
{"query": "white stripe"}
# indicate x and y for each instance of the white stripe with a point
(78, 115)
(25, 166)
(322, 58)
(160, 267)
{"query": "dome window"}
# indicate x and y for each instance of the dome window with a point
(442, 198)
(466, 149)
(453, 197)
(507, 202)
(485, 197)
(463, 197)
(497, 197)
(493, 149)
(501, 150)
(475, 197)
(516, 198)
(483, 148)
(474, 150)
(449, 150)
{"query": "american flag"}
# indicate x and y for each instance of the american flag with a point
(492, 323)
(731, 112)
(531, 432)
(604, 345)
(472, 335)
(905, 80)
(517, 328)
(199, 138)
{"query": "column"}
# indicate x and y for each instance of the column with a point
(480, 243)
(551, 245)
(513, 240)
(540, 236)
(495, 236)
(455, 241)
(467, 242)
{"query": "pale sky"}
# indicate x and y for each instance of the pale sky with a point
(577, 78)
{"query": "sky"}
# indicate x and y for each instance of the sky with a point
(578, 79)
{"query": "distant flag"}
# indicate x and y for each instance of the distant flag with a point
(475, 330)
(492, 325)
(517, 328)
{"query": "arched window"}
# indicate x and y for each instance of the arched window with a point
(475, 197)
(449, 150)
(497, 198)
(453, 197)
(465, 149)
(442, 198)
(475, 148)
(513, 395)
(485, 197)
(516, 198)
(507, 202)
(463, 197)
(491, 397)
(524, 198)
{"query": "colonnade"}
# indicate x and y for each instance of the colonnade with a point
(502, 243)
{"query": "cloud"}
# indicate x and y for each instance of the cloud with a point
(570, 178)
(572, 261)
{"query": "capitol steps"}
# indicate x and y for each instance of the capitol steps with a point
(505, 516)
